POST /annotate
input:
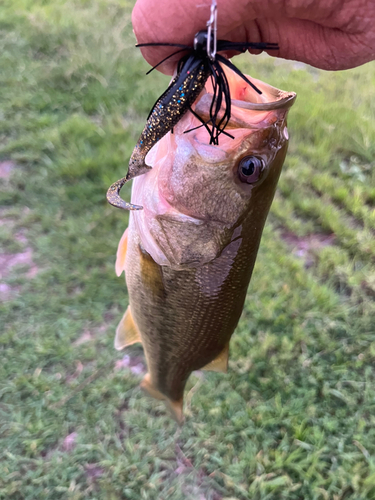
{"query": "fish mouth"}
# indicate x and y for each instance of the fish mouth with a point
(270, 99)
(244, 98)
(284, 100)
(248, 108)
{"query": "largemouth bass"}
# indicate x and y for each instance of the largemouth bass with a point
(189, 254)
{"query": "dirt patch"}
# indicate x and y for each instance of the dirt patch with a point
(10, 260)
(7, 262)
(85, 337)
(8, 292)
(93, 471)
(70, 442)
(136, 364)
(6, 169)
(307, 247)
(91, 333)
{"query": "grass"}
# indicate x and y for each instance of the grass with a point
(294, 418)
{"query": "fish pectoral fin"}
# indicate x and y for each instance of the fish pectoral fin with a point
(151, 274)
(220, 363)
(121, 253)
(175, 407)
(127, 332)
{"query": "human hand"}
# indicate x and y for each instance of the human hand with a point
(328, 34)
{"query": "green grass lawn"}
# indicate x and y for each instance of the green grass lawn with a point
(295, 416)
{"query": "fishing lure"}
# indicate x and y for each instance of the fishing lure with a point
(193, 70)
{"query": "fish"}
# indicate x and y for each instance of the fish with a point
(188, 255)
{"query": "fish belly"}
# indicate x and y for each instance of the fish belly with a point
(185, 317)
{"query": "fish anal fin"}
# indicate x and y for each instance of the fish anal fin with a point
(127, 332)
(220, 363)
(121, 253)
(175, 407)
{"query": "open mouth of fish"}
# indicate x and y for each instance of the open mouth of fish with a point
(243, 98)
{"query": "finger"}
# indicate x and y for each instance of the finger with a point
(173, 21)
(314, 42)
(322, 47)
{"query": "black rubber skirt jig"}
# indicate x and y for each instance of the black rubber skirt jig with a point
(201, 62)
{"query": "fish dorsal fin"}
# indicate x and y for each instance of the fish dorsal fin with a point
(121, 253)
(127, 332)
(175, 407)
(220, 363)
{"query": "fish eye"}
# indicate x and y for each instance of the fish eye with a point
(250, 169)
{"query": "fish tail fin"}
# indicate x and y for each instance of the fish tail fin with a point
(175, 407)
(127, 332)
(220, 363)
(148, 386)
